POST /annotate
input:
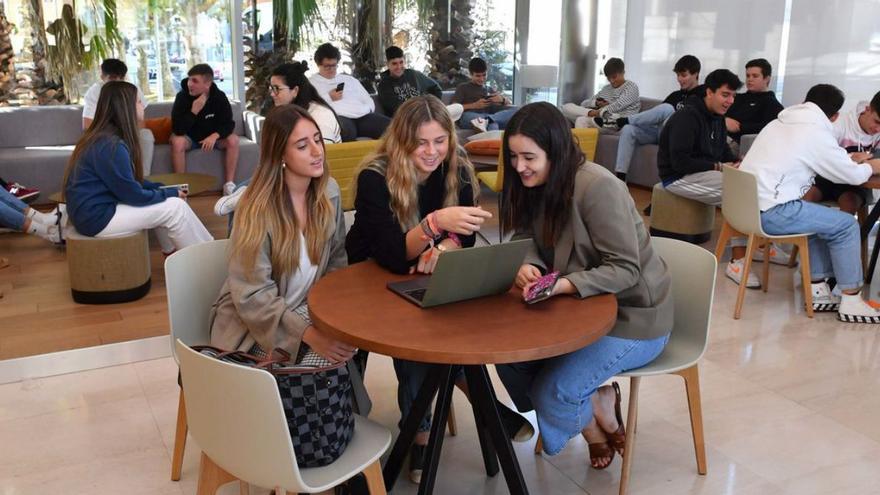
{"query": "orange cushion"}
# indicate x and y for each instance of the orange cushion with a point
(161, 129)
(484, 147)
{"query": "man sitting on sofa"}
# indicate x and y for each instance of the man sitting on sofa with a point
(113, 69)
(202, 118)
(354, 107)
(693, 150)
(619, 98)
(644, 127)
(484, 108)
(398, 84)
(755, 108)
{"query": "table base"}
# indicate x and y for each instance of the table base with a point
(495, 444)
(869, 222)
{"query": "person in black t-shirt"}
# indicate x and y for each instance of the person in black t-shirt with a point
(755, 108)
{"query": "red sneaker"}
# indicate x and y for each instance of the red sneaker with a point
(23, 193)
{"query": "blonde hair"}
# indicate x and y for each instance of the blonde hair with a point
(266, 209)
(393, 158)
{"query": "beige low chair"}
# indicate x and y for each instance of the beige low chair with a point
(742, 218)
(236, 416)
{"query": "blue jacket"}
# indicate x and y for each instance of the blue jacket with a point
(102, 179)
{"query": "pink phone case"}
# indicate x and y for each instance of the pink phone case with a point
(542, 288)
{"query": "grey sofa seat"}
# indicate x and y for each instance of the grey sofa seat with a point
(36, 144)
(643, 167)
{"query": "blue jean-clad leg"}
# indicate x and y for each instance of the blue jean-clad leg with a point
(503, 117)
(631, 136)
(653, 117)
(466, 117)
(835, 248)
(11, 210)
(560, 388)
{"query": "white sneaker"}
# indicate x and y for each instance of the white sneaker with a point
(823, 298)
(854, 309)
(734, 272)
(227, 204)
(480, 124)
(777, 255)
(228, 188)
(585, 122)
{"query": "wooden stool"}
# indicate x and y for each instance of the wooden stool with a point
(108, 270)
(680, 218)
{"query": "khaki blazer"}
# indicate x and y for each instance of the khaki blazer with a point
(605, 249)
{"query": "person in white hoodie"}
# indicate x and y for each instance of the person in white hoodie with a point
(785, 173)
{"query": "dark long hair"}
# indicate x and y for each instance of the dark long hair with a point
(295, 77)
(115, 115)
(544, 124)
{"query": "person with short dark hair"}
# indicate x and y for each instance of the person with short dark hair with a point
(858, 131)
(354, 107)
(202, 118)
(113, 69)
(755, 108)
(644, 127)
(398, 84)
(288, 84)
(693, 151)
(784, 172)
(619, 98)
(484, 108)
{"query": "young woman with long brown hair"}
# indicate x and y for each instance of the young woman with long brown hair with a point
(104, 184)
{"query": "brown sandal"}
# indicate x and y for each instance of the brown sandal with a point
(598, 451)
(617, 438)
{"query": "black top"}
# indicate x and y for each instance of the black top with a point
(393, 91)
(376, 232)
(683, 97)
(216, 116)
(753, 111)
(693, 140)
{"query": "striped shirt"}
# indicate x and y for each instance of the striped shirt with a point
(623, 100)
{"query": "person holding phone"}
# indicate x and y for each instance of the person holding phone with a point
(484, 108)
(619, 98)
(585, 226)
(354, 107)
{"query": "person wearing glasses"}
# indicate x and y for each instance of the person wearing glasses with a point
(288, 84)
(353, 105)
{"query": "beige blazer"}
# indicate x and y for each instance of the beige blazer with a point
(606, 249)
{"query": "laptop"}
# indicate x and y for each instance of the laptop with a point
(466, 274)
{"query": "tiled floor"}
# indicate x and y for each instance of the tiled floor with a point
(791, 406)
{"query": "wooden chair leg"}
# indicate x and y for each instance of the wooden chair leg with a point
(692, 386)
(375, 481)
(632, 414)
(243, 488)
(741, 291)
(539, 445)
(806, 278)
(211, 477)
(450, 420)
(179, 439)
(792, 260)
(765, 281)
(723, 238)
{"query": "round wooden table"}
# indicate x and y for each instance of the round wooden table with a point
(198, 183)
(355, 306)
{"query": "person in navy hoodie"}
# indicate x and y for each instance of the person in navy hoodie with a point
(104, 186)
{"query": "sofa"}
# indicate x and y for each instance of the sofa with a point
(643, 167)
(36, 143)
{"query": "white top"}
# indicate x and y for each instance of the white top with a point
(849, 133)
(327, 123)
(90, 100)
(790, 151)
(303, 278)
(355, 101)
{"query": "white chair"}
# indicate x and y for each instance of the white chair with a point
(236, 416)
(193, 277)
(693, 286)
(742, 217)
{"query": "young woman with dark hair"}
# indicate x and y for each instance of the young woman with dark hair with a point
(289, 84)
(584, 225)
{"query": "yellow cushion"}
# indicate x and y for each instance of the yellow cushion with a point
(491, 180)
(343, 160)
(587, 140)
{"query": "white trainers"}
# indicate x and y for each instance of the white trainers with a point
(854, 309)
(734, 272)
(227, 204)
(585, 122)
(823, 298)
(228, 188)
(777, 255)
(480, 124)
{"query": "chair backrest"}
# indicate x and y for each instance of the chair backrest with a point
(193, 277)
(693, 271)
(739, 201)
(343, 159)
(587, 140)
(235, 414)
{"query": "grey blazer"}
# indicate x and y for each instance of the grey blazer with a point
(606, 249)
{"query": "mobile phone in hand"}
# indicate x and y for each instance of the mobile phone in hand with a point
(543, 288)
(340, 86)
(182, 187)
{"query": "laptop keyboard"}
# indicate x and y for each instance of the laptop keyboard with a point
(417, 294)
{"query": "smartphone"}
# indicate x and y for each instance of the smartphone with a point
(340, 86)
(542, 288)
(182, 187)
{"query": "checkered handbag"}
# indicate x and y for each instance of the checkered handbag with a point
(316, 396)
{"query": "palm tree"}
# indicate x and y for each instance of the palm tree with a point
(43, 89)
(7, 55)
(451, 40)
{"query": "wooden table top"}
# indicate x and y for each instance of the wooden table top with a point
(354, 305)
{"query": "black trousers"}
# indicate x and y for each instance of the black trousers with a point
(371, 125)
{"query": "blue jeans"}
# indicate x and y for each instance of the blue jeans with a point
(11, 210)
(410, 377)
(643, 128)
(835, 249)
(497, 120)
(559, 388)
